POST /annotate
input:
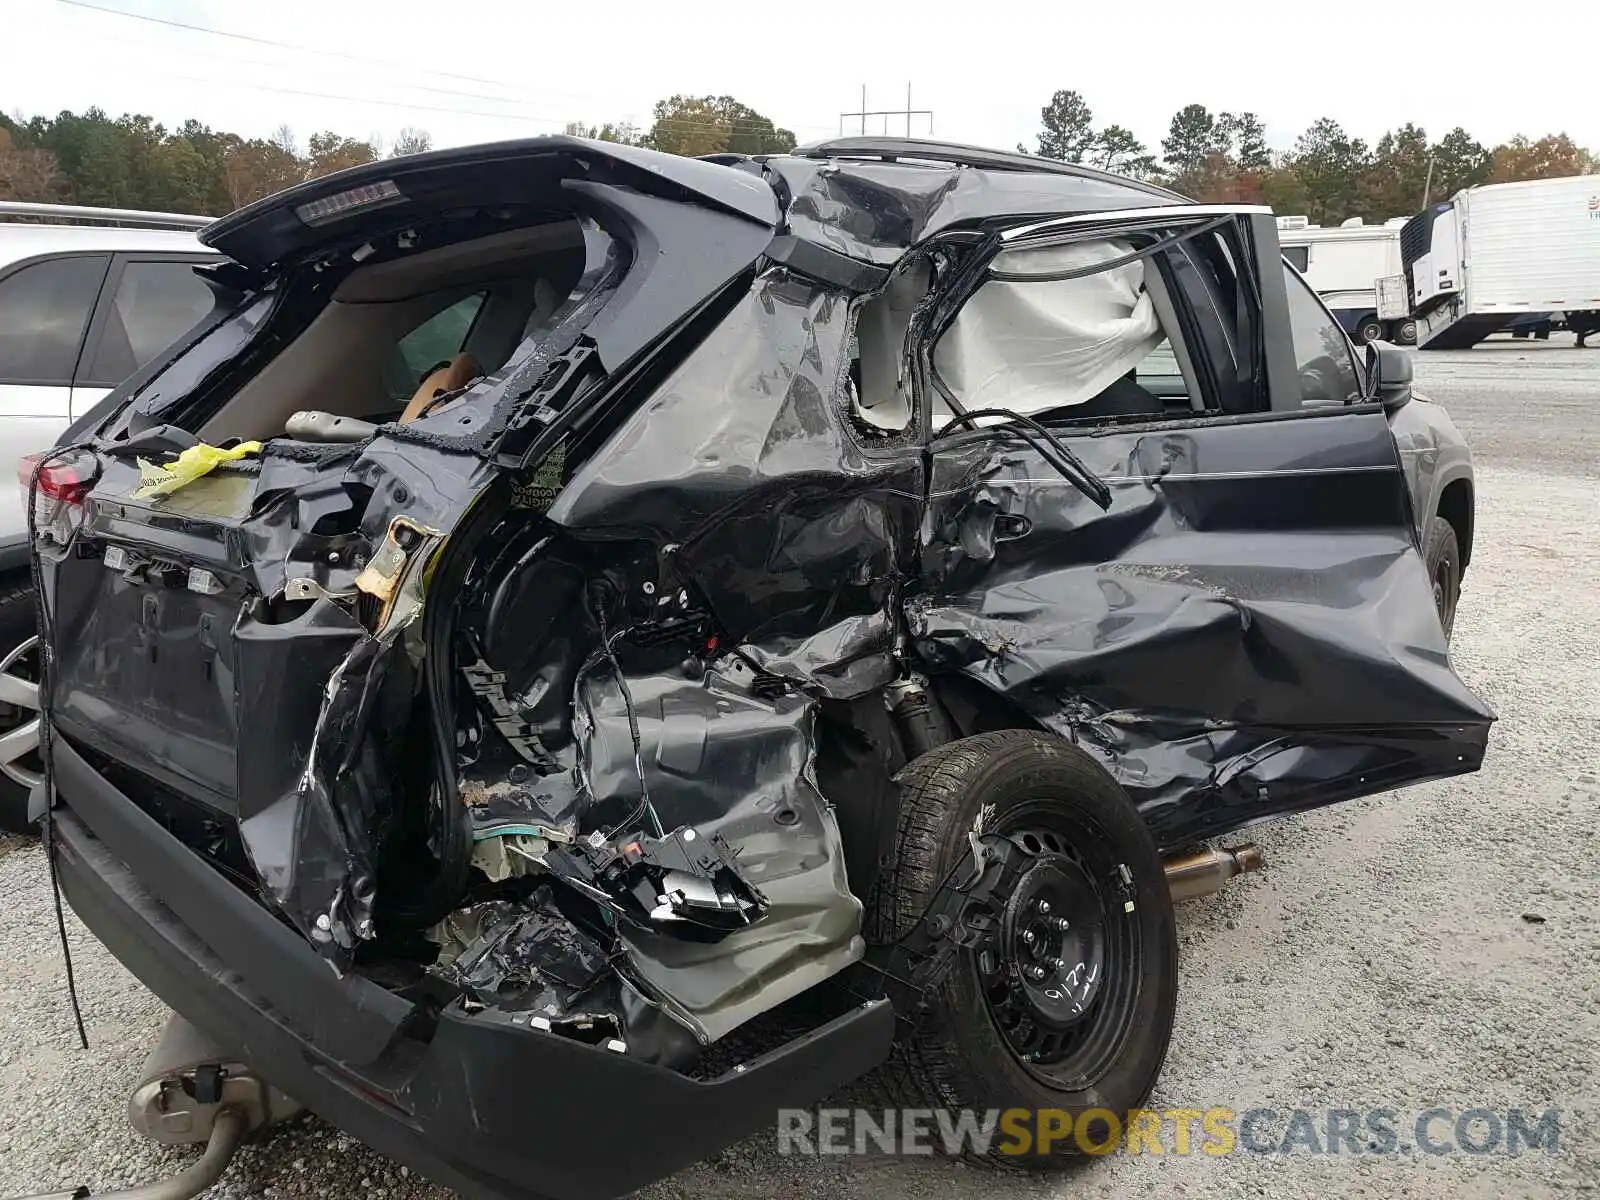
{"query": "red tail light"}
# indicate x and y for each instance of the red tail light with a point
(67, 477)
(64, 480)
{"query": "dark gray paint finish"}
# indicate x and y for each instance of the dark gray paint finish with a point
(1246, 630)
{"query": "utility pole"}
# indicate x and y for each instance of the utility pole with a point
(861, 114)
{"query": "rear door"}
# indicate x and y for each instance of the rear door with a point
(1247, 627)
(45, 309)
(149, 302)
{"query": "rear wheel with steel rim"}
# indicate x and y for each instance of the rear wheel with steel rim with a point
(1444, 571)
(1056, 978)
(1064, 999)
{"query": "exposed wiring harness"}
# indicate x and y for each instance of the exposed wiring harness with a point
(46, 622)
(608, 649)
(1051, 448)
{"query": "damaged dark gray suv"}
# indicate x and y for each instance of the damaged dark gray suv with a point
(585, 648)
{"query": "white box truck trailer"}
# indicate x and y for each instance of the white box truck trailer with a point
(1490, 255)
(1343, 265)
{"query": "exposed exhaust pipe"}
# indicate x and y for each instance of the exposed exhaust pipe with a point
(227, 1129)
(191, 1091)
(1205, 871)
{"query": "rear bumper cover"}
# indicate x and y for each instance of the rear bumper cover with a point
(489, 1109)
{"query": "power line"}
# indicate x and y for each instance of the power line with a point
(907, 112)
(387, 64)
(259, 62)
(264, 87)
(262, 41)
(287, 91)
(679, 124)
(280, 65)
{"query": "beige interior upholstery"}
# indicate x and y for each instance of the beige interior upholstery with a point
(453, 376)
(498, 256)
(337, 364)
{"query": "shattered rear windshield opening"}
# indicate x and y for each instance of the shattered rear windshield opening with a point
(340, 335)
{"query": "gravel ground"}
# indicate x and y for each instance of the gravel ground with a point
(1384, 960)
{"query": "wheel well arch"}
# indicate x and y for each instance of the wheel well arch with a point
(974, 707)
(1456, 507)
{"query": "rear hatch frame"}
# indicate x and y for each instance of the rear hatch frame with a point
(233, 572)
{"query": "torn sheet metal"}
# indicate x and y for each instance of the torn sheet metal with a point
(530, 965)
(757, 493)
(872, 211)
(288, 708)
(514, 952)
(726, 763)
(1249, 630)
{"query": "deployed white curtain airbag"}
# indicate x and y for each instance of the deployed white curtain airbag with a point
(1027, 347)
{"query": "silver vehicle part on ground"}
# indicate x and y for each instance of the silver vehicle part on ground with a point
(189, 1092)
(1203, 872)
(165, 1107)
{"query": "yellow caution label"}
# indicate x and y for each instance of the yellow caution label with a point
(196, 461)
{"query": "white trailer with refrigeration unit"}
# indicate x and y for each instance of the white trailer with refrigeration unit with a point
(1490, 255)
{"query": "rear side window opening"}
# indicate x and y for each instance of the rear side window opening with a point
(1095, 329)
(387, 329)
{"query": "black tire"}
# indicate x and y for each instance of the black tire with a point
(1405, 332)
(1444, 571)
(17, 625)
(957, 1054)
(1370, 330)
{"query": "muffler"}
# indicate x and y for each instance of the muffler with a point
(190, 1091)
(187, 1081)
(1205, 871)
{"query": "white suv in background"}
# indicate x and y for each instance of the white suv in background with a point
(87, 297)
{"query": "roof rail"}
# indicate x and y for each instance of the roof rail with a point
(893, 148)
(78, 214)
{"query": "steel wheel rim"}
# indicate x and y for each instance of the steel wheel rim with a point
(1444, 592)
(1065, 1054)
(19, 715)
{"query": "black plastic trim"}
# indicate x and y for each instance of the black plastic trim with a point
(350, 1018)
(486, 1107)
(827, 266)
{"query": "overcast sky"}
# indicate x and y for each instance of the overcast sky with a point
(478, 70)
